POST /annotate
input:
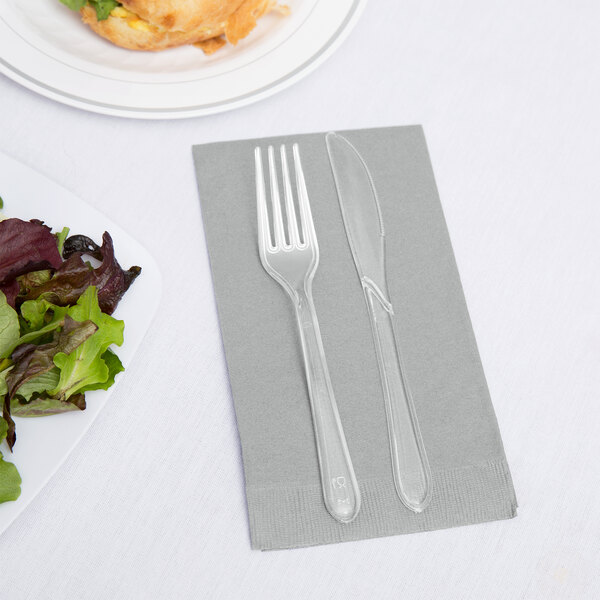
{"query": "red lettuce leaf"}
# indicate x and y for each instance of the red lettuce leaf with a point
(25, 246)
(41, 405)
(11, 436)
(81, 244)
(74, 276)
(11, 291)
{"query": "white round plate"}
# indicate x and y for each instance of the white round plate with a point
(45, 47)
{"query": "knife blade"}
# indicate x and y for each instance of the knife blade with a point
(363, 221)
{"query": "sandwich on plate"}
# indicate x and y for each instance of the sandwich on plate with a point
(161, 24)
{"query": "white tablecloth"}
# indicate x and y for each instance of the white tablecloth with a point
(151, 503)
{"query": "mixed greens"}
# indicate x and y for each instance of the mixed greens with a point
(56, 327)
(102, 7)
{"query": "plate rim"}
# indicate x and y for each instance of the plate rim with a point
(183, 112)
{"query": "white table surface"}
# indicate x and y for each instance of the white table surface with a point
(151, 504)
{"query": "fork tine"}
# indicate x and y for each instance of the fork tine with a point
(276, 202)
(264, 234)
(292, 223)
(308, 227)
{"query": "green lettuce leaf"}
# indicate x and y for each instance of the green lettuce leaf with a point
(60, 239)
(97, 363)
(102, 7)
(40, 318)
(9, 326)
(34, 335)
(10, 480)
(114, 365)
(74, 4)
(39, 313)
(36, 385)
(85, 366)
(3, 385)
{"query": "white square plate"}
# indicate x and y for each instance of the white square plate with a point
(43, 443)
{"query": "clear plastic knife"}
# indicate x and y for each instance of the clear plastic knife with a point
(364, 228)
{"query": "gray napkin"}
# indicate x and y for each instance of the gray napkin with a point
(471, 479)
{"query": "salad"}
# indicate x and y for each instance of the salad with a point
(56, 328)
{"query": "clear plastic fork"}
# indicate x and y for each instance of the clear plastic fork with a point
(292, 262)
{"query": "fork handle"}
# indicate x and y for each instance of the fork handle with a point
(340, 488)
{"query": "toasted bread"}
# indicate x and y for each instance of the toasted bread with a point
(160, 24)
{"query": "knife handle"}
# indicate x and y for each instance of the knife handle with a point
(412, 476)
(340, 488)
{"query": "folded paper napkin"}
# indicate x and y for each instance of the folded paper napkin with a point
(471, 479)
